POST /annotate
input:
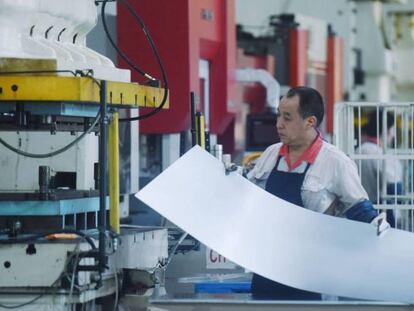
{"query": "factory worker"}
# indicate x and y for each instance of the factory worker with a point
(390, 171)
(307, 171)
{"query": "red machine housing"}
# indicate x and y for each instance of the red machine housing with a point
(184, 32)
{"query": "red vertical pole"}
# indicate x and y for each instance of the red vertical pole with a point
(298, 56)
(334, 92)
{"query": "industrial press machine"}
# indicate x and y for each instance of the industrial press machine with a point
(61, 186)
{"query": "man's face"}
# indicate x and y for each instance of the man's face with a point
(290, 124)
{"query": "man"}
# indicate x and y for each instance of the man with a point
(372, 143)
(307, 171)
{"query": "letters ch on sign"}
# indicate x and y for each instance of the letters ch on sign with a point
(216, 257)
(216, 261)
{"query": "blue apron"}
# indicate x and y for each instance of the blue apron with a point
(286, 186)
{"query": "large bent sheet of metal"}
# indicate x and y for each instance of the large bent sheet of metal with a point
(279, 240)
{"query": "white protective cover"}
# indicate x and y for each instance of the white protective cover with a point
(45, 29)
(279, 240)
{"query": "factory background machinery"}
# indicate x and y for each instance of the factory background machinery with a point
(339, 48)
(72, 153)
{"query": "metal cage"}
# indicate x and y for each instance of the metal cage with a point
(379, 137)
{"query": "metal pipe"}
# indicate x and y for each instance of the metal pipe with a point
(114, 213)
(263, 77)
(103, 150)
(193, 120)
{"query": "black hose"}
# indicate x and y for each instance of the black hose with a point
(132, 64)
(56, 152)
(86, 73)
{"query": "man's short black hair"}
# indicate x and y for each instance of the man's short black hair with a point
(370, 128)
(310, 102)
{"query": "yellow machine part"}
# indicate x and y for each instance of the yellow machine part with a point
(201, 138)
(78, 89)
(250, 158)
(113, 164)
(27, 64)
(52, 88)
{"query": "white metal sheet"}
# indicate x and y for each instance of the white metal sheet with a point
(279, 240)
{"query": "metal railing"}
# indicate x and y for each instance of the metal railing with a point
(379, 137)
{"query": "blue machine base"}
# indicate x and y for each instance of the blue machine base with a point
(49, 208)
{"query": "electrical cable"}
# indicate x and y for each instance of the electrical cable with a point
(56, 152)
(132, 64)
(114, 236)
(22, 304)
(83, 73)
(115, 46)
(72, 281)
(182, 238)
(35, 237)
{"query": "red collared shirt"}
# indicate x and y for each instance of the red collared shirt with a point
(308, 156)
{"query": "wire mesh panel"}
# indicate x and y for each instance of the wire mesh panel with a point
(379, 138)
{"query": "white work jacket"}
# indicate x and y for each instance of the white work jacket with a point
(370, 169)
(331, 185)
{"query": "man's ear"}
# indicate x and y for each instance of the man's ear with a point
(311, 122)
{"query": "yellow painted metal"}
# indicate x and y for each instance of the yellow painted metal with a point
(114, 210)
(197, 128)
(78, 89)
(135, 95)
(250, 157)
(8, 64)
(201, 134)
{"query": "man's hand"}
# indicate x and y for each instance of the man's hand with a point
(230, 167)
(381, 223)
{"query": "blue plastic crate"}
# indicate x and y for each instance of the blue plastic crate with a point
(222, 287)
